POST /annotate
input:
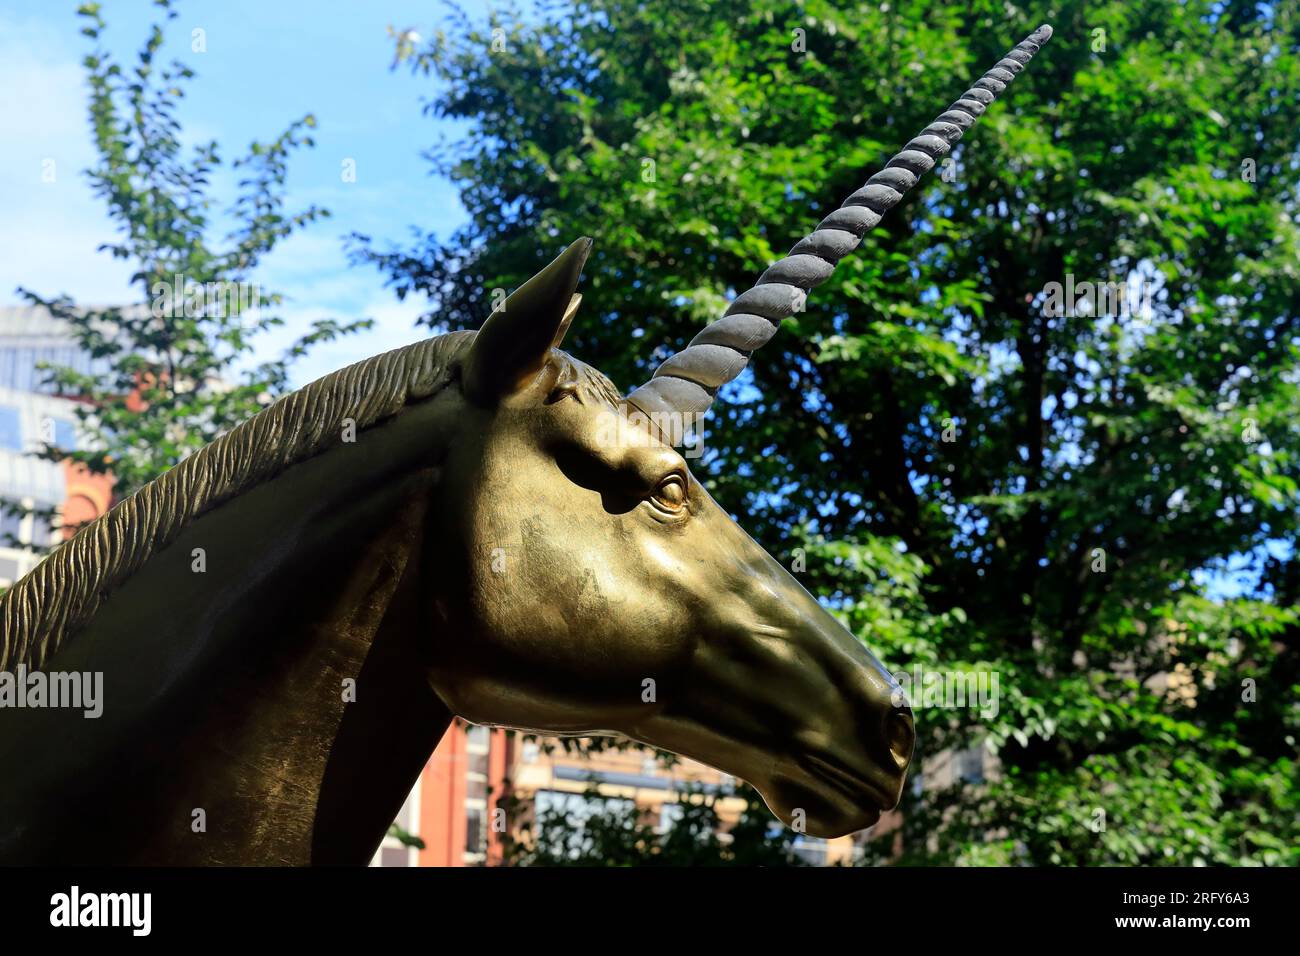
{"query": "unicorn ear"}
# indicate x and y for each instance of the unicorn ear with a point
(513, 344)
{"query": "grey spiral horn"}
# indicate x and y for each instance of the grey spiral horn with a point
(686, 383)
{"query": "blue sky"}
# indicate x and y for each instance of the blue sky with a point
(266, 64)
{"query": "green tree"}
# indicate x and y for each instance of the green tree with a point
(171, 370)
(983, 476)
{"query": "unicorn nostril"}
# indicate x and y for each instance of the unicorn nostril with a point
(900, 733)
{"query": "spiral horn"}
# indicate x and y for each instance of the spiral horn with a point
(686, 383)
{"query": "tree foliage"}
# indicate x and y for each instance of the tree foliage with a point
(980, 480)
(172, 370)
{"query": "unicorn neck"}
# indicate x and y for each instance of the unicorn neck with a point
(265, 676)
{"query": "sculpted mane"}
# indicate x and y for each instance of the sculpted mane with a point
(48, 605)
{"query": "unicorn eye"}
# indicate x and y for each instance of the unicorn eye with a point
(562, 391)
(669, 495)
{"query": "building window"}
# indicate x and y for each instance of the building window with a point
(65, 435)
(475, 831)
(11, 428)
(477, 744)
(42, 532)
(11, 528)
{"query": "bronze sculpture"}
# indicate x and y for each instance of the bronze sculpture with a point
(477, 524)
